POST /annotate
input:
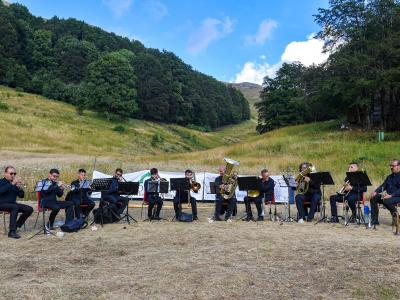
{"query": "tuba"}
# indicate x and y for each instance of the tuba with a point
(302, 186)
(229, 180)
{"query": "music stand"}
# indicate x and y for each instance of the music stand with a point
(359, 178)
(178, 185)
(290, 183)
(247, 183)
(100, 185)
(322, 178)
(128, 189)
(42, 185)
(214, 189)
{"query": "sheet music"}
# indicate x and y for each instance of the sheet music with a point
(43, 185)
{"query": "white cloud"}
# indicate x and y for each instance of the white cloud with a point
(307, 52)
(156, 9)
(210, 31)
(264, 32)
(118, 7)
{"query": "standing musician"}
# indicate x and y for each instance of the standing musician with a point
(348, 193)
(313, 194)
(49, 198)
(219, 199)
(388, 193)
(112, 195)
(266, 188)
(10, 189)
(153, 197)
(183, 196)
(80, 195)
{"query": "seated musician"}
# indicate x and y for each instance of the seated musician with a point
(266, 188)
(49, 196)
(153, 197)
(113, 196)
(219, 200)
(313, 195)
(80, 196)
(183, 196)
(10, 189)
(350, 194)
(388, 193)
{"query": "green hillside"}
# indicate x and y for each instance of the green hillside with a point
(33, 123)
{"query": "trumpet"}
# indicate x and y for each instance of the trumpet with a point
(19, 183)
(65, 186)
(342, 190)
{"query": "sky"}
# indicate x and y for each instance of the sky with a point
(231, 40)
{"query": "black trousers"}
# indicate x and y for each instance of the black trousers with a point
(314, 198)
(388, 203)
(258, 202)
(153, 200)
(229, 210)
(55, 208)
(14, 209)
(119, 202)
(351, 200)
(85, 210)
(178, 208)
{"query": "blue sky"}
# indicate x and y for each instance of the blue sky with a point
(230, 40)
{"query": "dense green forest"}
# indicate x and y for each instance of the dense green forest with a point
(360, 81)
(72, 61)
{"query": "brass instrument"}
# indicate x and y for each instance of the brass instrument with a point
(19, 183)
(194, 185)
(66, 186)
(342, 190)
(229, 180)
(302, 186)
(397, 223)
(254, 193)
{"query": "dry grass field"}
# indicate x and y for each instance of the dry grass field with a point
(171, 260)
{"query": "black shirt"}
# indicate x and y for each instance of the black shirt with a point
(391, 185)
(78, 194)
(51, 194)
(266, 187)
(113, 189)
(9, 192)
(356, 189)
(314, 187)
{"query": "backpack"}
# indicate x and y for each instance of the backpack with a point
(73, 226)
(109, 214)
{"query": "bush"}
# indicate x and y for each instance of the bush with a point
(157, 139)
(119, 128)
(4, 106)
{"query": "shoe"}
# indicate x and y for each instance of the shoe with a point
(13, 234)
(195, 218)
(260, 218)
(218, 219)
(157, 218)
(309, 220)
(334, 220)
(300, 221)
(228, 220)
(50, 226)
(247, 219)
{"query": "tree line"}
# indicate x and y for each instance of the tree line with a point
(72, 61)
(360, 81)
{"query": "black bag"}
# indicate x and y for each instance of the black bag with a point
(110, 214)
(185, 217)
(73, 226)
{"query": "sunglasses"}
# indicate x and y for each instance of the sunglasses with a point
(392, 166)
(13, 173)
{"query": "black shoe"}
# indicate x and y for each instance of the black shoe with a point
(218, 219)
(260, 218)
(157, 218)
(50, 226)
(309, 220)
(13, 234)
(195, 218)
(248, 219)
(334, 220)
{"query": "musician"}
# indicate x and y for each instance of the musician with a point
(388, 193)
(220, 200)
(80, 196)
(153, 198)
(266, 188)
(10, 189)
(49, 196)
(183, 196)
(112, 195)
(354, 194)
(313, 195)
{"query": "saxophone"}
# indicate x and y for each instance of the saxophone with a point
(229, 180)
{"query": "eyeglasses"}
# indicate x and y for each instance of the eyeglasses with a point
(118, 174)
(392, 166)
(13, 173)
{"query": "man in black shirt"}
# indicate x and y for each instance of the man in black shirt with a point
(351, 195)
(79, 195)
(112, 196)
(183, 196)
(388, 193)
(313, 195)
(219, 200)
(48, 198)
(153, 198)
(266, 188)
(10, 189)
